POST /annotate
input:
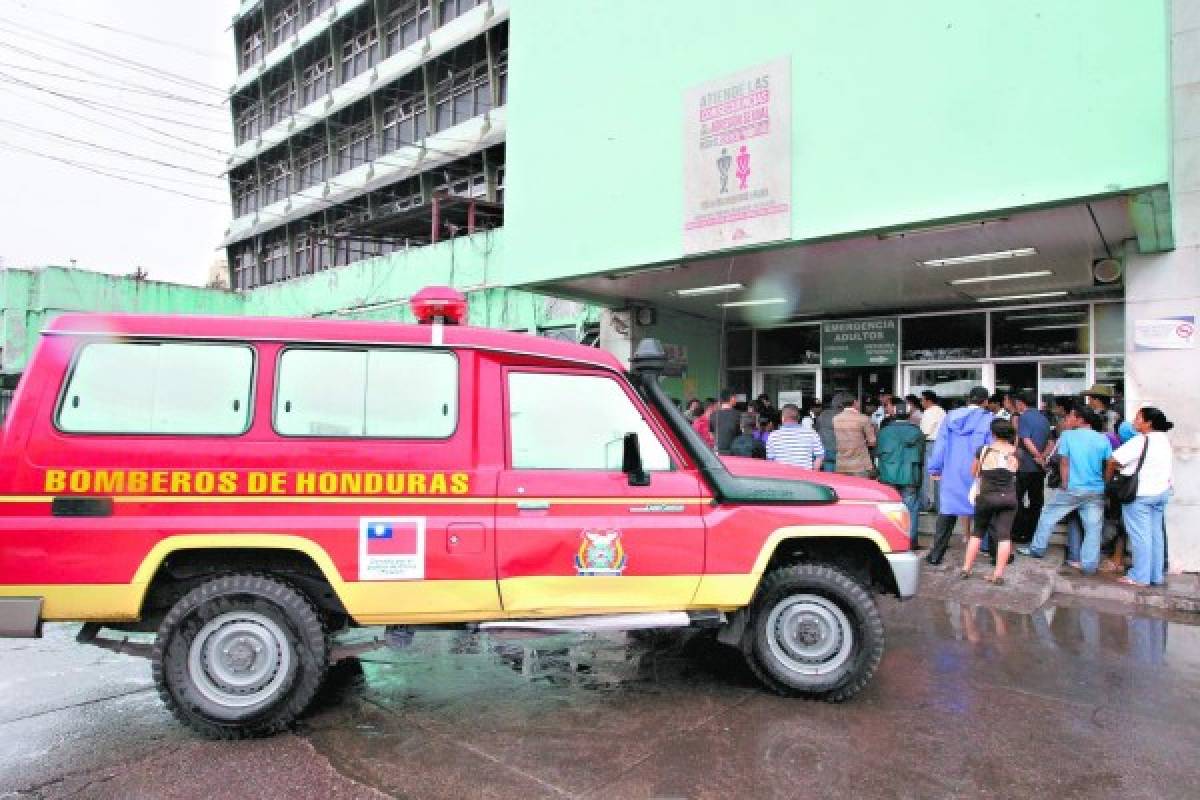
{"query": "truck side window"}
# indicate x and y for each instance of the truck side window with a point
(575, 422)
(158, 387)
(382, 393)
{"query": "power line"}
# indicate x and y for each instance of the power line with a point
(125, 87)
(122, 110)
(104, 56)
(107, 174)
(94, 146)
(122, 31)
(85, 70)
(198, 184)
(77, 115)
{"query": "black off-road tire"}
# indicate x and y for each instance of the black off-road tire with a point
(812, 591)
(276, 616)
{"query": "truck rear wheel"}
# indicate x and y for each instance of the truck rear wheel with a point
(813, 631)
(241, 655)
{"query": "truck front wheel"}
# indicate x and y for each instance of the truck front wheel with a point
(240, 655)
(813, 631)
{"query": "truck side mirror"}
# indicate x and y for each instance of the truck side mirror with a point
(631, 462)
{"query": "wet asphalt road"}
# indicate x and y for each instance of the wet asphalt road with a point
(969, 702)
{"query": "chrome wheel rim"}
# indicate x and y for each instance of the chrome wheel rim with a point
(809, 634)
(239, 659)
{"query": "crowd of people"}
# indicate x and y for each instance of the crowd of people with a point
(985, 465)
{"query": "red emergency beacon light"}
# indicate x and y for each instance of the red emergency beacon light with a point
(439, 304)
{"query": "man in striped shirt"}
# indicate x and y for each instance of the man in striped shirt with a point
(795, 442)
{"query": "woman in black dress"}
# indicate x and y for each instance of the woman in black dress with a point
(995, 469)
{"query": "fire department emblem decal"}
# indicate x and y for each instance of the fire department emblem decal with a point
(600, 553)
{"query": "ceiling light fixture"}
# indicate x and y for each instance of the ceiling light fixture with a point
(1047, 315)
(975, 258)
(1012, 276)
(1032, 296)
(953, 226)
(718, 289)
(633, 273)
(768, 301)
(1060, 327)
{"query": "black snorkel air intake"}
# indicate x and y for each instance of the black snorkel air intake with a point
(646, 367)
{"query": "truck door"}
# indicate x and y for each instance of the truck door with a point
(572, 534)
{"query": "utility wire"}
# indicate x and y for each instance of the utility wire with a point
(124, 87)
(95, 146)
(107, 174)
(113, 29)
(85, 70)
(124, 111)
(192, 182)
(7, 25)
(76, 115)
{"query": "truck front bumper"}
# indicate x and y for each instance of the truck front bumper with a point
(906, 569)
(20, 617)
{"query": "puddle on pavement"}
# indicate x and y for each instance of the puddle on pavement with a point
(442, 669)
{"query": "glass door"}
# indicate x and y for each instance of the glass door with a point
(796, 386)
(951, 382)
(1062, 379)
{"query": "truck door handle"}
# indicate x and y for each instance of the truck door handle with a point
(533, 505)
(81, 507)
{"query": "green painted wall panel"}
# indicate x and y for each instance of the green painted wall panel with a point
(902, 113)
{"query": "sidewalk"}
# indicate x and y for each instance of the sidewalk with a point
(1031, 582)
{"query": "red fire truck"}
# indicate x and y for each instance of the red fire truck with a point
(246, 488)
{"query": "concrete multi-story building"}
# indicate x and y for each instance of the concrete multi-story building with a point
(363, 127)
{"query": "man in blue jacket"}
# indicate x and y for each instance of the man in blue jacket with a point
(965, 431)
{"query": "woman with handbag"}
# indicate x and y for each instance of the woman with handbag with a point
(995, 496)
(1140, 478)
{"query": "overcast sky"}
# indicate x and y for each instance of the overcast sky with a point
(146, 77)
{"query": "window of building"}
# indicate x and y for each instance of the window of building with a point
(502, 76)
(249, 122)
(314, 8)
(800, 344)
(450, 9)
(276, 175)
(405, 122)
(316, 80)
(367, 393)
(285, 23)
(275, 259)
(308, 253)
(542, 437)
(1062, 379)
(740, 381)
(407, 22)
(252, 49)
(280, 101)
(312, 165)
(462, 89)
(360, 52)
(245, 268)
(739, 348)
(1054, 331)
(245, 194)
(1110, 327)
(355, 144)
(944, 337)
(121, 387)
(1110, 370)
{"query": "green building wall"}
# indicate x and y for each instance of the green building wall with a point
(31, 298)
(902, 114)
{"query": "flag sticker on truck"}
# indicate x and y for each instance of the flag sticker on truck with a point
(391, 548)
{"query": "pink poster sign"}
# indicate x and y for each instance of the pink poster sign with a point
(737, 159)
